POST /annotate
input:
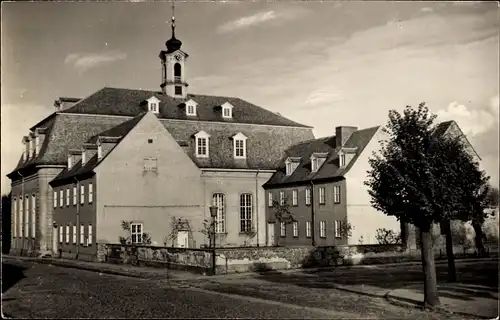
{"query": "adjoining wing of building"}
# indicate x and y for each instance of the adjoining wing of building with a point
(144, 158)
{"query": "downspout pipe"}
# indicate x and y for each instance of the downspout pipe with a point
(257, 204)
(78, 235)
(313, 224)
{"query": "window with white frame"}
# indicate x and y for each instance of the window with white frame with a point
(74, 195)
(321, 195)
(245, 212)
(322, 229)
(341, 159)
(240, 146)
(33, 215)
(336, 194)
(220, 221)
(74, 234)
(89, 237)
(282, 198)
(269, 199)
(283, 229)
(308, 196)
(202, 144)
(136, 232)
(26, 216)
(67, 233)
(91, 192)
(308, 229)
(61, 234)
(295, 229)
(295, 195)
(37, 144)
(21, 216)
(338, 229)
(14, 217)
(191, 107)
(227, 110)
(314, 164)
(154, 104)
(82, 233)
(288, 168)
(61, 198)
(67, 196)
(82, 194)
(55, 199)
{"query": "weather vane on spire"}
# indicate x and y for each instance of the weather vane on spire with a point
(173, 44)
(173, 14)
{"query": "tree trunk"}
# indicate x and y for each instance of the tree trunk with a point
(404, 234)
(452, 272)
(478, 238)
(431, 298)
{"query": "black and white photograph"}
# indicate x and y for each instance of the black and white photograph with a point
(250, 159)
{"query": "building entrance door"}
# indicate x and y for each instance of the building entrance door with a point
(270, 234)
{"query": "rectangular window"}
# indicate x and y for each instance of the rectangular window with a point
(82, 194)
(33, 215)
(201, 146)
(336, 194)
(321, 195)
(341, 159)
(227, 112)
(288, 168)
(283, 229)
(308, 229)
(218, 201)
(82, 233)
(295, 229)
(282, 198)
(239, 146)
(246, 212)
(61, 234)
(55, 199)
(61, 198)
(26, 216)
(338, 229)
(294, 197)
(322, 229)
(74, 195)
(150, 164)
(21, 216)
(89, 235)
(308, 196)
(67, 233)
(14, 217)
(91, 192)
(190, 109)
(74, 234)
(314, 165)
(269, 199)
(67, 197)
(178, 90)
(136, 232)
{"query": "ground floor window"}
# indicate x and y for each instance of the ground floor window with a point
(136, 232)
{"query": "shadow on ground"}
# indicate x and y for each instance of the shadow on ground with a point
(11, 274)
(374, 281)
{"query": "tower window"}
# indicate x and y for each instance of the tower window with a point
(177, 72)
(178, 90)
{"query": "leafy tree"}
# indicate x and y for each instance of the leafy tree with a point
(208, 230)
(346, 229)
(403, 182)
(488, 198)
(282, 213)
(5, 210)
(387, 236)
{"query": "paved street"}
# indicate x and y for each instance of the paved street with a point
(45, 291)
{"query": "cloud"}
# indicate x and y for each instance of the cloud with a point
(85, 61)
(321, 97)
(471, 121)
(427, 9)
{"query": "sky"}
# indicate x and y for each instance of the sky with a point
(324, 64)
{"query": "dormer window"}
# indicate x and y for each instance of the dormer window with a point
(240, 146)
(84, 157)
(153, 104)
(191, 107)
(291, 164)
(317, 160)
(70, 161)
(341, 159)
(202, 144)
(227, 110)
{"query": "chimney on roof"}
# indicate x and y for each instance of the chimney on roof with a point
(88, 151)
(26, 148)
(343, 133)
(64, 103)
(32, 144)
(39, 138)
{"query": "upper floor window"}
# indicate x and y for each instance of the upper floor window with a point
(321, 195)
(291, 164)
(153, 104)
(61, 198)
(317, 160)
(308, 196)
(91, 192)
(191, 107)
(269, 199)
(336, 194)
(74, 195)
(246, 212)
(37, 144)
(227, 110)
(67, 196)
(177, 72)
(220, 221)
(282, 198)
(82, 194)
(283, 229)
(338, 229)
(308, 229)
(55, 199)
(202, 144)
(342, 159)
(240, 141)
(178, 90)
(294, 197)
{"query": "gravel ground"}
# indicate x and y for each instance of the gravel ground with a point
(45, 291)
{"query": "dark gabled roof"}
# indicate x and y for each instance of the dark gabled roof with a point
(120, 131)
(445, 127)
(442, 127)
(128, 102)
(330, 168)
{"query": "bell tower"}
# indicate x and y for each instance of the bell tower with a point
(173, 62)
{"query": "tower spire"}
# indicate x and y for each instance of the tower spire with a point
(173, 44)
